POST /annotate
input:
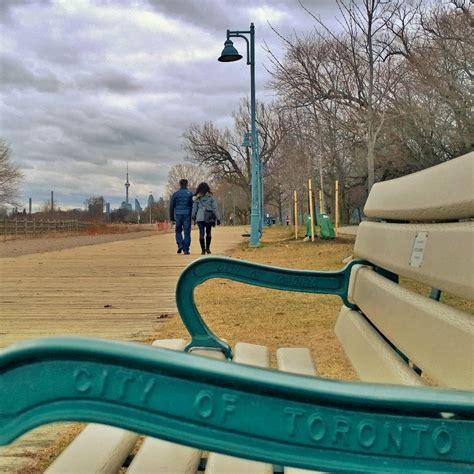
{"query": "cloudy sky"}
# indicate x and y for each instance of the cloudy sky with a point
(87, 85)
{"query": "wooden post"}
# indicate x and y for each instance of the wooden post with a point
(26, 226)
(34, 228)
(336, 207)
(296, 214)
(5, 228)
(16, 227)
(320, 196)
(311, 210)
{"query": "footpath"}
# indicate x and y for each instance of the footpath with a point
(119, 290)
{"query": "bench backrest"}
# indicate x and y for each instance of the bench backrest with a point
(420, 228)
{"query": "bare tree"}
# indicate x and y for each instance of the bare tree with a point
(221, 150)
(194, 175)
(352, 69)
(431, 114)
(10, 177)
(95, 207)
(389, 95)
(158, 211)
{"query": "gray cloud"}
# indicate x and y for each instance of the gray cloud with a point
(88, 87)
(14, 75)
(114, 81)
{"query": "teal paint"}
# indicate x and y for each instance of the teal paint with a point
(307, 281)
(265, 415)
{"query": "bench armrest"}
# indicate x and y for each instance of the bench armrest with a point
(291, 420)
(307, 281)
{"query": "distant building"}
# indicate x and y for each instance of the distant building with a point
(126, 204)
(138, 208)
(151, 200)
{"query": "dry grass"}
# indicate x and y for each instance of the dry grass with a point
(239, 312)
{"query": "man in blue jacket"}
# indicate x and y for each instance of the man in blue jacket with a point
(181, 206)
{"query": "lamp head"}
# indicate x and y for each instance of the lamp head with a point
(229, 53)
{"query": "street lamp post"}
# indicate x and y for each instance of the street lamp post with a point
(229, 53)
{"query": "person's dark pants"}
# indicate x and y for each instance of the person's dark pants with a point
(205, 236)
(183, 226)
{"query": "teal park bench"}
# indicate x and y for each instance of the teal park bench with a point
(252, 419)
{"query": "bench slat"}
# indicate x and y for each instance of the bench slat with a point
(438, 338)
(370, 355)
(160, 456)
(446, 262)
(97, 449)
(296, 360)
(443, 192)
(258, 356)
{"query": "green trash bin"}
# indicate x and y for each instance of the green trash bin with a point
(326, 228)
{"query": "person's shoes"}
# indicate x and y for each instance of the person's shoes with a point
(180, 250)
(203, 252)
(186, 252)
(208, 250)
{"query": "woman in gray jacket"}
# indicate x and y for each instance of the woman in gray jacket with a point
(206, 214)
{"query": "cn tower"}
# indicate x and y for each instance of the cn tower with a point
(127, 185)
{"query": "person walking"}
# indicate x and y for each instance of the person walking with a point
(181, 206)
(206, 214)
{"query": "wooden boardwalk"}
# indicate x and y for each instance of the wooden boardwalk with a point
(118, 290)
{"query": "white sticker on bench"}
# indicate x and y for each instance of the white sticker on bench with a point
(162, 457)
(250, 354)
(418, 251)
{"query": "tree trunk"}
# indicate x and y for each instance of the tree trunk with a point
(370, 162)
